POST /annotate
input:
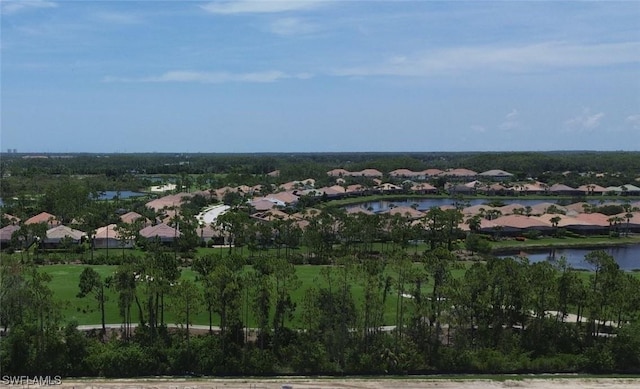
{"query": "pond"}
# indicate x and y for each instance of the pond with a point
(125, 194)
(627, 257)
(426, 204)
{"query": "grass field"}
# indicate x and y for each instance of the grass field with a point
(65, 279)
(567, 242)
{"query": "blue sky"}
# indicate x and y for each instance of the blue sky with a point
(314, 76)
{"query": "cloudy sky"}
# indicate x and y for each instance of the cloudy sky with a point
(313, 76)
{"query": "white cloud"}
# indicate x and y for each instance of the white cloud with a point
(478, 128)
(633, 121)
(291, 26)
(253, 6)
(586, 121)
(534, 57)
(13, 6)
(213, 77)
(510, 121)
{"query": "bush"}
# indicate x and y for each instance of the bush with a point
(599, 359)
(533, 234)
(559, 363)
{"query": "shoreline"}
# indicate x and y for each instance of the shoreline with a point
(541, 247)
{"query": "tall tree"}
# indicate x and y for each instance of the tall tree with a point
(92, 283)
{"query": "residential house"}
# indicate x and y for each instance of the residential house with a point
(45, 218)
(11, 219)
(133, 217)
(162, 232)
(592, 189)
(283, 199)
(56, 235)
(6, 233)
(338, 173)
(459, 173)
(109, 237)
(564, 190)
(496, 174)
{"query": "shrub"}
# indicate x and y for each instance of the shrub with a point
(533, 234)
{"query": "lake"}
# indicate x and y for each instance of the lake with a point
(125, 194)
(627, 257)
(426, 204)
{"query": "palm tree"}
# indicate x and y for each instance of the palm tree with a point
(628, 216)
(474, 223)
(554, 222)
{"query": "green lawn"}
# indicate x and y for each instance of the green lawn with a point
(65, 279)
(583, 241)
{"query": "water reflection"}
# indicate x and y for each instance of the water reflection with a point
(627, 257)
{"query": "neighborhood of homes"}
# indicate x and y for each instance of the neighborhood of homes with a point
(511, 219)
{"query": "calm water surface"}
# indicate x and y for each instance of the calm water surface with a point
(627, 257)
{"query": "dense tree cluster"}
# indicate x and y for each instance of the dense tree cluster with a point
(502, 315)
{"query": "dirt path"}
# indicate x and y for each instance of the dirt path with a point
(354, 383)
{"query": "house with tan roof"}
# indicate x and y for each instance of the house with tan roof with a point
(271, 215)
(530, 188)
(405, 173)
(592, 189)
(11, 219)
(514, 224)
(57, 234)
(359, 210)
(210, 234)
(454, 189)
(423, 188)
(404, 211)
(389, 188)
(355, 189)
(6, 233)
(479, 209)
(306, 214)
(133, 217)
(432, 172)
(167, 202)
(262, 204)
(579, 207)
(512, 209)
(564, 190)
(546, 207)
(334, 191)
(283, 198)
(459, 173)
(494, 189)
(309, 183)
(496, 174)
(161, 232)
(338, 173)
(45, 218)
(109, 237)
(367, 173)
(595, 219)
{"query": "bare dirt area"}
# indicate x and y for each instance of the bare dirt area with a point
(356, 383)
